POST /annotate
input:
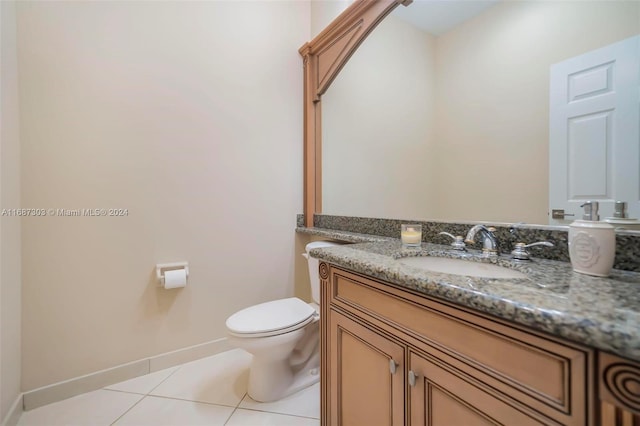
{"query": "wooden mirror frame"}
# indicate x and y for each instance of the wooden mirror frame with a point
(323, 58)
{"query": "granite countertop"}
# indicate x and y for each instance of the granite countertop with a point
(347, 236)
(603, 313)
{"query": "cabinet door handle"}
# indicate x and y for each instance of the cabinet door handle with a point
(393, 366)
(412, 378)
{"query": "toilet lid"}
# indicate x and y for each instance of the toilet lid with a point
(270, 316)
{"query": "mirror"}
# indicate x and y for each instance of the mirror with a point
(453, 124)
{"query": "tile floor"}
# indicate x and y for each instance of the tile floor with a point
(210, 391)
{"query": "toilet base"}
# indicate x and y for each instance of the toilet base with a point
(271, 381)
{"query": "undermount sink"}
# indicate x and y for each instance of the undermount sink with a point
(461, 267)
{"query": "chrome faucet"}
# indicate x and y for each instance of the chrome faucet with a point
(489, 240)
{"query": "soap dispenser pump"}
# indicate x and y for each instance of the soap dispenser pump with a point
(592, 244)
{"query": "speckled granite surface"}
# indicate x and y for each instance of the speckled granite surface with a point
(350, 237)
(627, 242)
(599, 312)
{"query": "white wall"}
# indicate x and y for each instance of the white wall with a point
(188, 114)
(324, 11)
(10, 287)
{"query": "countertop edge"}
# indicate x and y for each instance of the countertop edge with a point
(345, 236)
(582, 329)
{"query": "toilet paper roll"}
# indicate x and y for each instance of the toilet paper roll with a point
(175, 279)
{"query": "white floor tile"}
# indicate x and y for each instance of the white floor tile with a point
(143, 384)
(304, 403)
(101, 407)
(258, 418)
(205, 391)
(155, 411)
(219, 379)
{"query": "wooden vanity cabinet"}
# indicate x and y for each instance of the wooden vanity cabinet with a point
(394, 357)
(619, 391)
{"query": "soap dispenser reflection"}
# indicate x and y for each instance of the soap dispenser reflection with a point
(592, 244)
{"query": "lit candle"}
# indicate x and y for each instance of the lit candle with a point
(411, 235)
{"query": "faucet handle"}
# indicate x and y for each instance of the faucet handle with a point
(458, 241)
(519, 252)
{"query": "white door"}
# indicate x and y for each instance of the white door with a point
(594, 131)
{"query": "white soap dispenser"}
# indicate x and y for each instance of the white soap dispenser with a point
(592, 244)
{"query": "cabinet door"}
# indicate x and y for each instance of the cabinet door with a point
(440, 397)
(365, 387)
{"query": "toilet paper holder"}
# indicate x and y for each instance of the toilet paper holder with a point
(161, 268)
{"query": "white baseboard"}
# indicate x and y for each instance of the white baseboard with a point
(99, 379)
(191, 353)
(89, 382)
(14, 413)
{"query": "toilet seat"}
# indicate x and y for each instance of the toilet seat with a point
(271, 318)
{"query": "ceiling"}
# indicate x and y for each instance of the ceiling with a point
(438, 16)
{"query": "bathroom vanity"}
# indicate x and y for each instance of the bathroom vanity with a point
(405, 345)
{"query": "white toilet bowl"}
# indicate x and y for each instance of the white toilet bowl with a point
(283, 337)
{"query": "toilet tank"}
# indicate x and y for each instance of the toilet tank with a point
(314, 265)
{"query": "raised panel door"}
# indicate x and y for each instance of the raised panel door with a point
(366, 375)
(441, 397)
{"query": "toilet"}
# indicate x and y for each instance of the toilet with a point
(283, 337)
